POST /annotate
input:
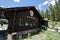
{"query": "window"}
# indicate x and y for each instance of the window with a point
(21, 22)
(3, 24)
(26, 24)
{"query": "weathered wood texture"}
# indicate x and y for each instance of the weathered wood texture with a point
(20, 18)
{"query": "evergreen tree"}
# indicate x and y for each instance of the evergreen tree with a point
(47, 14)
(51, 12)
(42, 14)
(54, 13)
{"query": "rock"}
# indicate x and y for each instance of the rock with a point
(9, 37)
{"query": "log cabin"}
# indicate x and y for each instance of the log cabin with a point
(22, 19)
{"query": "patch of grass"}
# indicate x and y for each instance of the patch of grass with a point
(29, 36)
(57, 25)
(52, 35)
(20, 38)
(49, 35)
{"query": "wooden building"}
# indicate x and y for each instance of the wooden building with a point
(23, 18)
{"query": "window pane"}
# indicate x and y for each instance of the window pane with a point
(26, 24)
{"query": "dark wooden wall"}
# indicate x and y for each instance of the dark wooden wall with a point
(14, 19)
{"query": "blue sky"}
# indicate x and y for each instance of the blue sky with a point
(39, 4)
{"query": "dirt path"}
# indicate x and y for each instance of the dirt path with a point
(38, 37)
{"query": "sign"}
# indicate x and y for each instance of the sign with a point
(31, 13)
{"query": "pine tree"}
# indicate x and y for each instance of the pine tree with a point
(52, 14)
(42, 14)
(47, 14)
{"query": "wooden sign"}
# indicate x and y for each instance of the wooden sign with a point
(31, 13)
